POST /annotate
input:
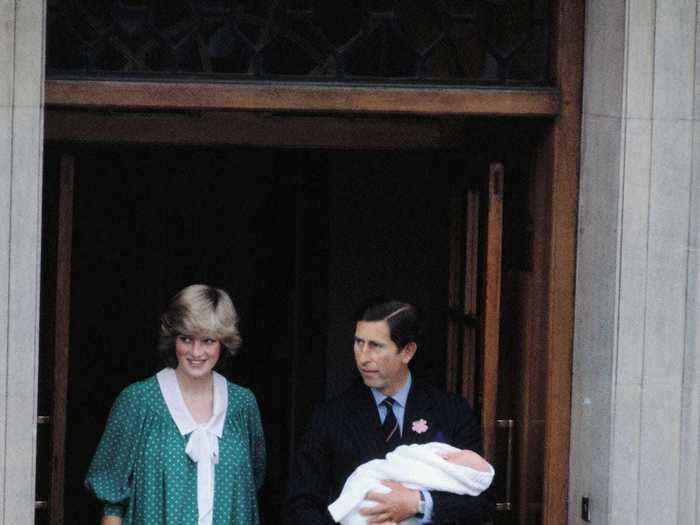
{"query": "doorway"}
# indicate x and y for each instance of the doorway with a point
(297, 236)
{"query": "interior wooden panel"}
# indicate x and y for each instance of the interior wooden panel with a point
(492, 306)
(452, 374)
(429, 100)
(463, 291)
(62, 337)
(254, 129)
(471, 294)
(533, 374)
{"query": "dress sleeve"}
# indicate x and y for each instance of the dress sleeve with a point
(257, 442)
(109, 477)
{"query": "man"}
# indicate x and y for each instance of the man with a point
(369, 420)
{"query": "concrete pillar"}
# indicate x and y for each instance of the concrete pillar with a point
(635, 399)
(21, 138)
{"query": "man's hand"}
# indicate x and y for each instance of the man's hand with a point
(399, 504)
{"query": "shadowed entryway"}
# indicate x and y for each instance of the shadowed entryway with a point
(298, 237)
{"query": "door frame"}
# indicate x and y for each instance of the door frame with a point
(556, 173)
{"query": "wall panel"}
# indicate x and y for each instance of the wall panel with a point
(21, 124)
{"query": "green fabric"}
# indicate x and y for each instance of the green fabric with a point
(141, 472)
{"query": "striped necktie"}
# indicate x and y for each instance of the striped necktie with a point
(390, 427)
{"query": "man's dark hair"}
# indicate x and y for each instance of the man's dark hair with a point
(404, 319)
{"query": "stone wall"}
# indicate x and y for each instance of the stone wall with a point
(635, 387)
(21, 132)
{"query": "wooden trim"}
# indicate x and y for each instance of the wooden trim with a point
(62, 337)
(492, 306)
(429, 100)
(463, 291)
(533, 403)
(562, 147)
(454, 287)
(471, 294)
(252, 128)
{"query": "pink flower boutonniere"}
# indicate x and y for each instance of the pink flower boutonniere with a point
(419, 426)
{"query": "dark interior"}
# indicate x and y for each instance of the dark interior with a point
(297, 237)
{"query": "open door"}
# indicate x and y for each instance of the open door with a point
(491, 316)
(494, 360)
(476, 369)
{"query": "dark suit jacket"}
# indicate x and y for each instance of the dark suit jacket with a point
(346, 432)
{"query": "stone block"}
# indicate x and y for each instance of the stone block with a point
(674, 59)
(7, 51)
(603, 78)
(625, 452)
(660, 463)
(640, 58)
(29, 54)
(633, 249)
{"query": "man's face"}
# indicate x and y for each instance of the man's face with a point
(378, 359)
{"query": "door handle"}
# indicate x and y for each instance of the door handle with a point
(509, 425)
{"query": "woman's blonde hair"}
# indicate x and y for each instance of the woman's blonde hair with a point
(200, 311)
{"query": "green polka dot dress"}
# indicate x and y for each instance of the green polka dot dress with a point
(142, 473)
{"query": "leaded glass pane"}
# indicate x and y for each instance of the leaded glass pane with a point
(451, 41)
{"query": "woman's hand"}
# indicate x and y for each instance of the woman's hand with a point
(111, 520)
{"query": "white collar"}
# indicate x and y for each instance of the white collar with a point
(203, 444)
(169, 387)
(400, 397)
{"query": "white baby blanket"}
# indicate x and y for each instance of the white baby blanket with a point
(416, 467)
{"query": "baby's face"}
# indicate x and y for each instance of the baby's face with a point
(467, 458)
(463, 457)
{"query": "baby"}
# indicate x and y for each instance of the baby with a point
(433, 466)
(468, 458)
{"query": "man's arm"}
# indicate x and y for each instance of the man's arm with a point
(449, 507)
(310, 482)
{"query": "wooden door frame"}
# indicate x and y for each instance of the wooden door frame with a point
(560, 155)
(557, 166)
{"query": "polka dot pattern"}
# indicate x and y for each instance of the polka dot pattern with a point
(141, 472)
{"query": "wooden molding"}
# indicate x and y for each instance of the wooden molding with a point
(251, 128)
(424, 100)
(492, 308)
(62, 338)
(561, 147)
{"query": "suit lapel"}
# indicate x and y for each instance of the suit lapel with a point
(419, 416)
(363, 426)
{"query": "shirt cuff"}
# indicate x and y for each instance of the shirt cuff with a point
(428, 507)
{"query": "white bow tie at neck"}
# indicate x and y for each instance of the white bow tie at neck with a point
(202, 445)
(203, 449)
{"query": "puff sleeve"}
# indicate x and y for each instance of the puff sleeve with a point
(110, 475)
(257, 442)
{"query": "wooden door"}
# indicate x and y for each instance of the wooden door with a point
(475, 291)
(56, 288)
(475, 366)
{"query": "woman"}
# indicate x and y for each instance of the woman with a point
(184, 446)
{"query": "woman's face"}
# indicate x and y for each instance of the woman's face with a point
(196, 357)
